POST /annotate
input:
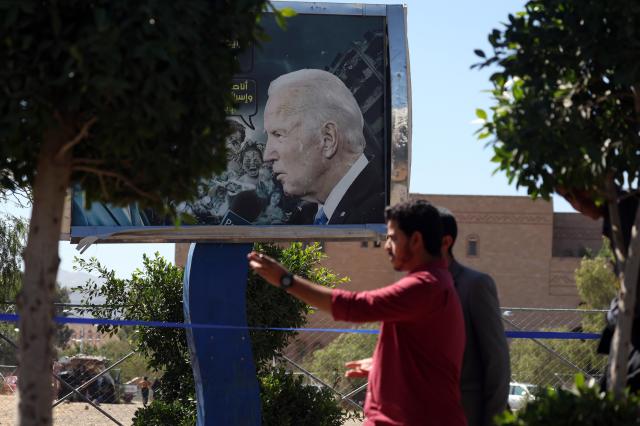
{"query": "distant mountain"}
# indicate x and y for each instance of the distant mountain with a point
(76, 279)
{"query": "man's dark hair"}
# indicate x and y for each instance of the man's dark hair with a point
(449, 226)
(418, 216)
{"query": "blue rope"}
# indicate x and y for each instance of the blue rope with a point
(163, 324)
(551, 335)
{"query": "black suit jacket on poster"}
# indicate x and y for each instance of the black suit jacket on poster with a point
(364, 202)
(484, 381)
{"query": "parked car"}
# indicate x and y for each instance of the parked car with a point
(520, 394)
(79, 369)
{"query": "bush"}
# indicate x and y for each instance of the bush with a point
(586, 406)
(328, 363)
(155, 294)
(532, 363)
(268, 306)
(287, 401)
(162, 413)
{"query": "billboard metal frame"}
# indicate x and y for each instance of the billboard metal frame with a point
(399, 156)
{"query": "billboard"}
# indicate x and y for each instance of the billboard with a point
(320, 132)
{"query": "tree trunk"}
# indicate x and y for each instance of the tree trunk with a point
(626, 308)
(628, 270)
(35, 303)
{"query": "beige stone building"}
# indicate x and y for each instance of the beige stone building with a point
(530, 251)
(87, 335)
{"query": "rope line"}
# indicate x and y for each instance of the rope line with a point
(5, 317)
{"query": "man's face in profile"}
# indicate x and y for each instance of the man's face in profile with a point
(397, 246)
(293, 146)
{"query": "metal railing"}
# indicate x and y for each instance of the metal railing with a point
(543, 362)
(320, 358)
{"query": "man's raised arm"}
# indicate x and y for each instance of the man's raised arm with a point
(278, 276)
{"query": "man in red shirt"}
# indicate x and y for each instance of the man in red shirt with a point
(414, 376)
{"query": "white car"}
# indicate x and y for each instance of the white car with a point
(520, 394)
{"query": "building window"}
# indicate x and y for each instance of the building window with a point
(364, 244)
(472, 245)
(377, 244)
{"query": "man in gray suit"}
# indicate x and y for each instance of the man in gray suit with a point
(486, 373)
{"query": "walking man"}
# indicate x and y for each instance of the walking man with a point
(415, 370)
(144, 386)
(485, 376)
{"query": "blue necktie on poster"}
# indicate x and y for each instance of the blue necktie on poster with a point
(321, 218)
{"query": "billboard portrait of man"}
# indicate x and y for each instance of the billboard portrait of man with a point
(311, 146)
(316, 144)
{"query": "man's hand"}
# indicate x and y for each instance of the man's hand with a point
(301, 288)
(267, 267)
(360, 368)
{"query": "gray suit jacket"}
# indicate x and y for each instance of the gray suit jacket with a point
(484, 382)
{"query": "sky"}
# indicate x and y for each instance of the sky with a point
(446, 156)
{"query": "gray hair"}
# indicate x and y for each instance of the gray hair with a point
(322, 97)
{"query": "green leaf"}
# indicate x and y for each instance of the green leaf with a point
(517, 91)
(480, 53)
(288, 12)
(75, 54)
(580, 380)
(480, 113)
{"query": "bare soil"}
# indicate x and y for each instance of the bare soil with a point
(81, 413)
(72, 413)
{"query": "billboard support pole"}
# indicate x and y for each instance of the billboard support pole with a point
(215, 281)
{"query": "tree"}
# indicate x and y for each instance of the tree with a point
(583, 405)
(530, 362)
(126, 99)
(63, 332)
(13, 233)
(328, 363)
(153, 293)
(597, 285)
(566, 119)
(268, 306)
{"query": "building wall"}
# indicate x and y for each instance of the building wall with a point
(530, 251)
(516, 239)
(575, 235)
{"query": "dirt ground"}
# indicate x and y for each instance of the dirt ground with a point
(81, 414)
(72, 413)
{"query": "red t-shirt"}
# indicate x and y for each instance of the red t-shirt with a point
(415, 377)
